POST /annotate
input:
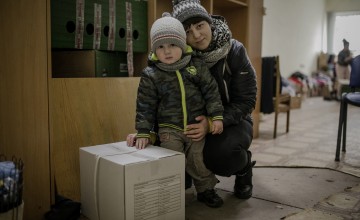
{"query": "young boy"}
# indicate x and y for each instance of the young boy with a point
(174, 89)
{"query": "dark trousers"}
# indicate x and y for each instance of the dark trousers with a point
(226, 154)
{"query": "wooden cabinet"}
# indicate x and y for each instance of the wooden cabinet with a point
(24, 114)
(236, 13)
(44, 120)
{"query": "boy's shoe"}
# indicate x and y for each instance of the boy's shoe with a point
(188, 181)
(210, 198)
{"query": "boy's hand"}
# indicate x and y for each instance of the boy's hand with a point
(141, 143)
(131, 140)
(217, 127)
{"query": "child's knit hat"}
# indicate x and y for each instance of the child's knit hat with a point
(185, 9)
(167, 30)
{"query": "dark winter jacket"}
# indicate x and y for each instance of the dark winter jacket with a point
(175, 99)
(238, 88)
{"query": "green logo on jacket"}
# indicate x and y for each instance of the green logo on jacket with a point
(191, 70)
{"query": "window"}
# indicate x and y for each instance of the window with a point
(347, 26)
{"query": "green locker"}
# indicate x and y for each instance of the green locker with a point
(98, 24)
(72, 24)
(111, 64)
(139, 25)
(113, 36)
(120, 43)
(88, 63)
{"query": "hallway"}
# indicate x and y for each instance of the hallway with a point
(295, 176)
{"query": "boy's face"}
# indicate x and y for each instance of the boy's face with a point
(199, 35)
(168, 53)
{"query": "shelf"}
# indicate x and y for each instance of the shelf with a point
(230, 3)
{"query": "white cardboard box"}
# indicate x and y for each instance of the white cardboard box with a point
(120, 182)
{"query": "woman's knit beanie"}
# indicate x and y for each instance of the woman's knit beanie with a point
(185, 9)
(167, 30)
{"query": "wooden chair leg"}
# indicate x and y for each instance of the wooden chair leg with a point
(344, 126)
(287, 121)
(337, 153)
(275, 124)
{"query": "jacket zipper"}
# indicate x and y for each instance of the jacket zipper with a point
(183, 100)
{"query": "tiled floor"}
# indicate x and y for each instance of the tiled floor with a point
(296, 176)
(311, 141)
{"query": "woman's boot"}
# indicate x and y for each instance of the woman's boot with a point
(243, 182)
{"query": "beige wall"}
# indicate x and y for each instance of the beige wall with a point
(342, 5)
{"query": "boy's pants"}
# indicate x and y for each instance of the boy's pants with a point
(175, 140)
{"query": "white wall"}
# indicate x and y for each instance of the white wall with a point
(294, 30)
(335, 8)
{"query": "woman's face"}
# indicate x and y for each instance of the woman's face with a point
(198, 35)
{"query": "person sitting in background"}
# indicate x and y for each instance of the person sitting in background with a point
(343, 66)
(331, 69)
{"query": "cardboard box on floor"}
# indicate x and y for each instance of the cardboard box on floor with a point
(120, 182)
(295, 102)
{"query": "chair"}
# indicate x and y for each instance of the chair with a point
(271, 98)
(352, 98)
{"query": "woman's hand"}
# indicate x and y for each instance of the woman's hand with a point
(131, 140)
(217, 127)
(197, 131)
